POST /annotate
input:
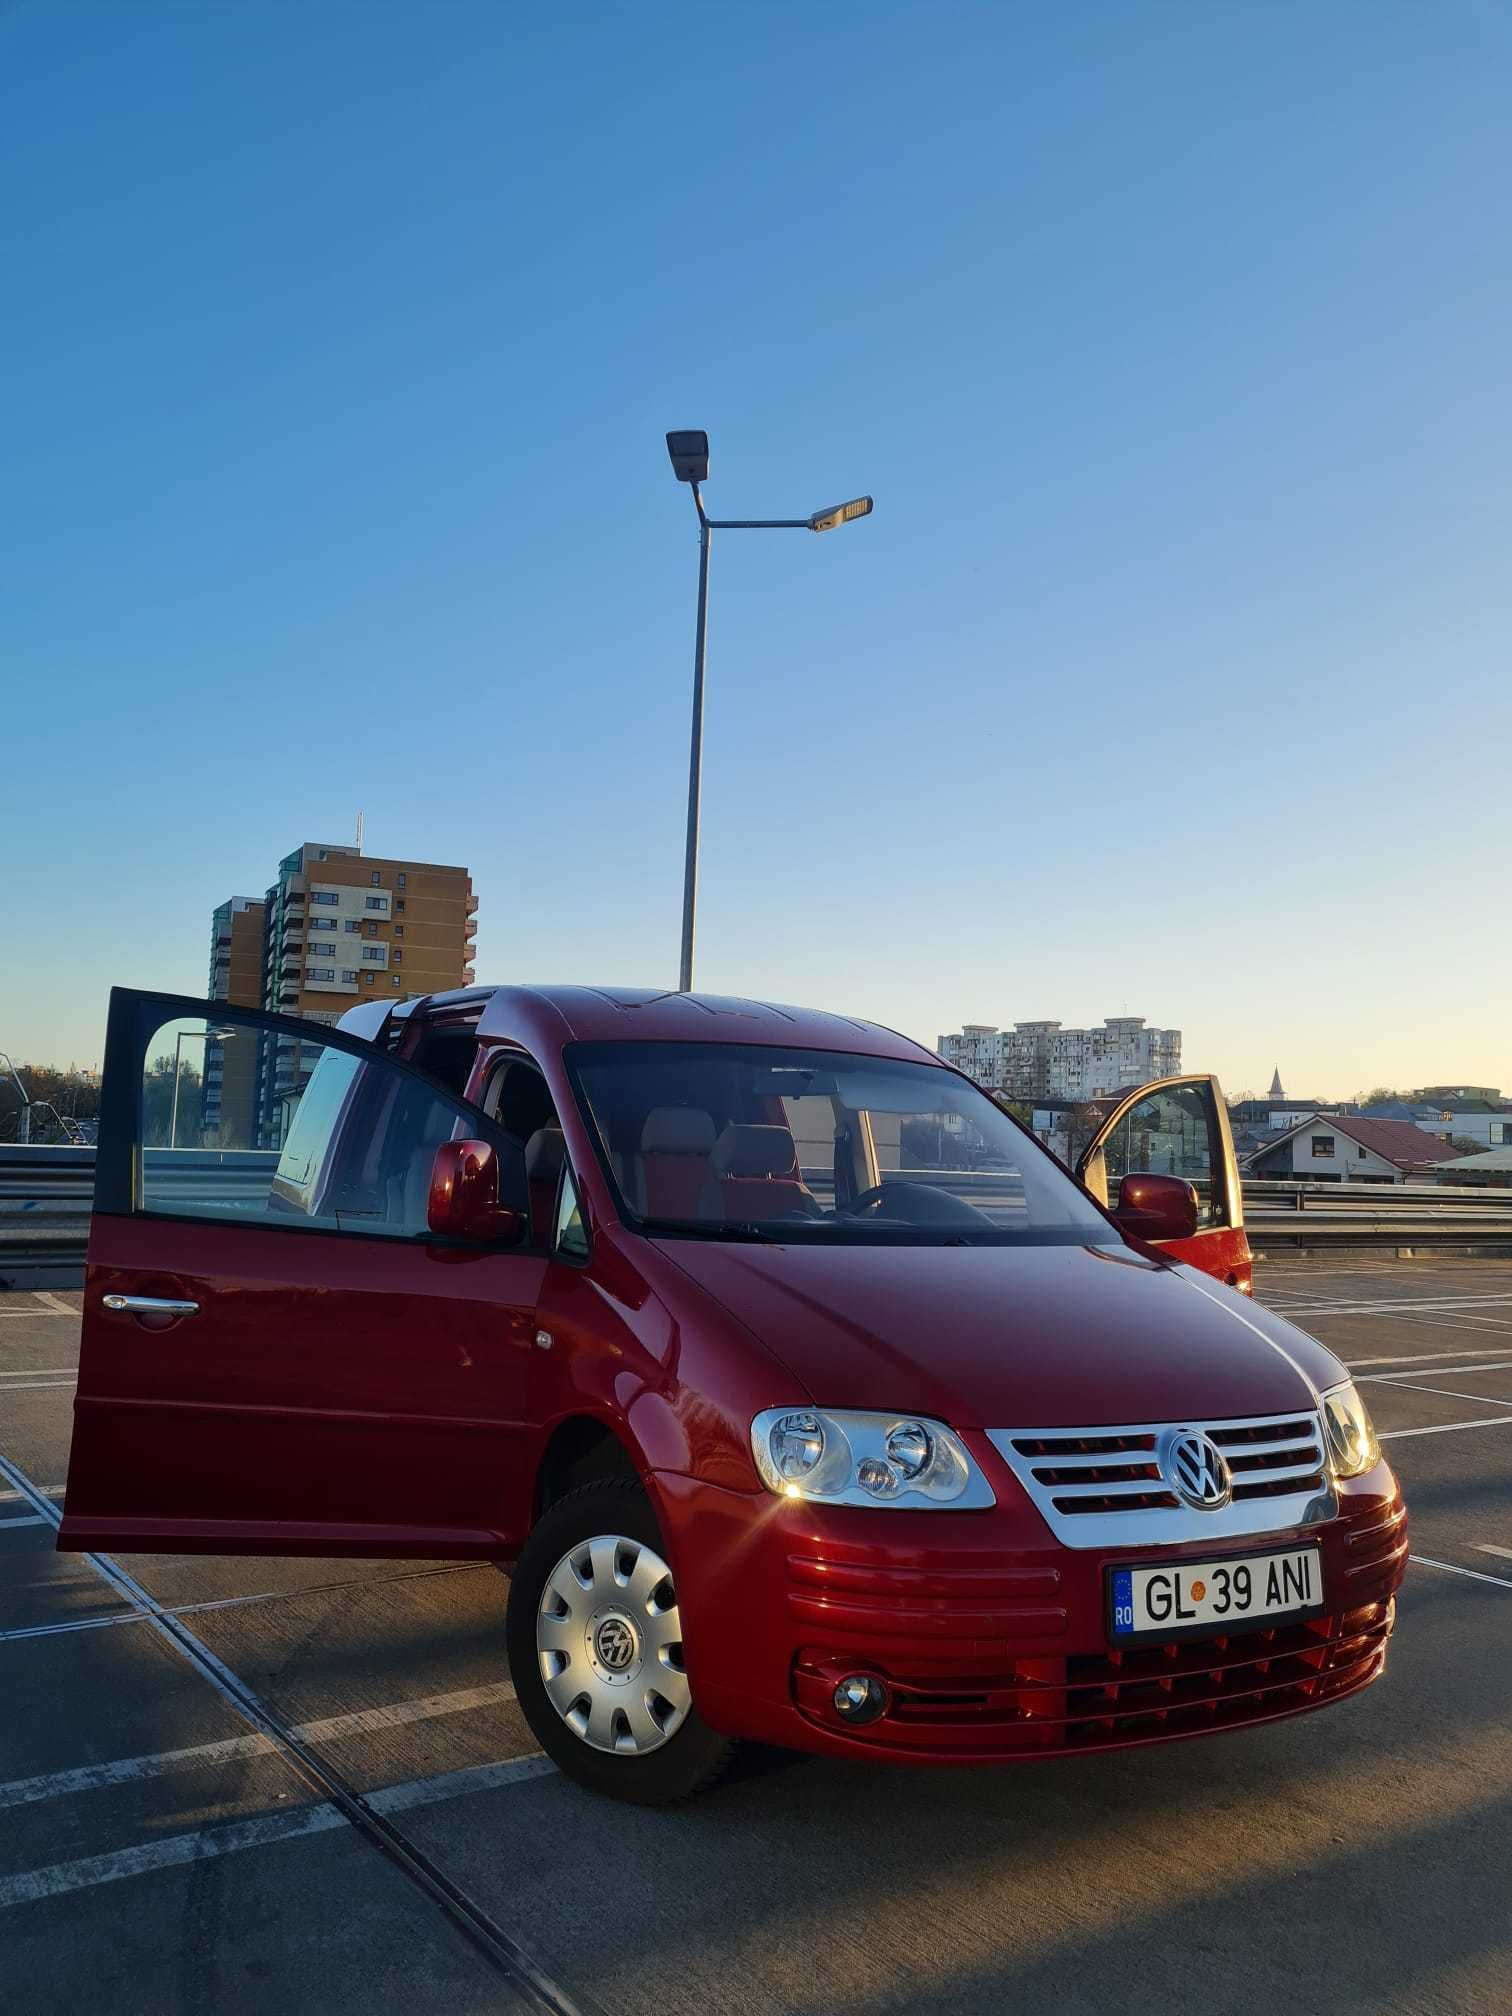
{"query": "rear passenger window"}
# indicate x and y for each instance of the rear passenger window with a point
(256, 1125)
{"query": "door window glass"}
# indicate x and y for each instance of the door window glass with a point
(571, 1233)
(259, 1125)
(1170, 1134)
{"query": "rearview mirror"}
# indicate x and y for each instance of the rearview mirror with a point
(464, 1196)
(1157, 1207)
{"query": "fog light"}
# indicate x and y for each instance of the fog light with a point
(860, 1698)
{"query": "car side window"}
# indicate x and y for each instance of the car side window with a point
(571, 1239)
(251, 1123)
(1170, 1133)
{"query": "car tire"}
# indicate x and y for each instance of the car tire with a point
(595, 1651)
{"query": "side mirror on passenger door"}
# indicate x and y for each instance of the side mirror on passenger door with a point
(464, 1197)
(1157, 1207)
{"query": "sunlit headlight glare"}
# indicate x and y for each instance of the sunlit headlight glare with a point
(797, 1443)
(1352, 1445)
(836, 1457)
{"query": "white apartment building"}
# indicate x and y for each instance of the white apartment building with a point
(1042, 1060)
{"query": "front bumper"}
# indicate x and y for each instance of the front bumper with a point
(990, 1636)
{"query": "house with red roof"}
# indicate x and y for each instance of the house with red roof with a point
(1346, 1148)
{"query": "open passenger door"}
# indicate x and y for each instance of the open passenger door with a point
(310, 1298)
(1175, 1127)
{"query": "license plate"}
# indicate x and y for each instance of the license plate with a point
(1213, 1597)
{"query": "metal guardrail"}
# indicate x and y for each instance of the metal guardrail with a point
(46, 1195)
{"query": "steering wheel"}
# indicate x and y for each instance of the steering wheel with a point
(867, 1201)
(917, 1204)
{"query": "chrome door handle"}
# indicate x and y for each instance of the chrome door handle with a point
(150, 1305)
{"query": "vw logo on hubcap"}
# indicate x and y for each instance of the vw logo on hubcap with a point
(1196, 1470)
(614, 1644)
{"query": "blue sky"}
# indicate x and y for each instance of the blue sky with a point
(1175, 342)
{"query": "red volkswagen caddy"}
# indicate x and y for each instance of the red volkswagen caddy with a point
(806, 1397)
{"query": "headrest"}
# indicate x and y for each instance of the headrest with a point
(545, 1152)
(755, 1151)
(677, 1130)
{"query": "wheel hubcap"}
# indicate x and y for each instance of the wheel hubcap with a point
(609, 1640)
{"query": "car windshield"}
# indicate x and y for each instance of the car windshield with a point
(743, 1142)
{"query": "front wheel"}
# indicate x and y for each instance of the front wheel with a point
(596, 1650)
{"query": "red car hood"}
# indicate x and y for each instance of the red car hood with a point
(1010, 1336)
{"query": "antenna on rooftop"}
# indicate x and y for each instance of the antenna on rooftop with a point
(359, 832)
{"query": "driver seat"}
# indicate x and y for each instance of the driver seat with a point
(753, 1173)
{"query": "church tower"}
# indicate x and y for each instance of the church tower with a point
(1275, 1091)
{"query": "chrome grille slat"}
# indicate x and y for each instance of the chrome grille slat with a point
(1114, 1487)
(1242, 1452)
(1102, 1486)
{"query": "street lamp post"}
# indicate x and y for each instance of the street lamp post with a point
(206, 1036)
(689, 451)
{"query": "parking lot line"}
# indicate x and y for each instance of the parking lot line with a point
(40, 1385)
(23, 1519)
(235, 1602)
(1449, 1392)
(1445, 1428)
(503, 1953)
(1483, 1547)
(1434, 1371)
(205, 1843)
(1437, 1305)
(359, 1722)
(1474, 1574)
(54, 1306)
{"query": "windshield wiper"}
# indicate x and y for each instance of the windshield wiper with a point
(684, 1228)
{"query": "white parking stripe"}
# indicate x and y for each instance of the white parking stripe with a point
(360, 1722)
(1445, 1428)
(1473, 1574)
(1446, 1392)
(114, 1617)
(32, 1885)
(41, 1372)
(1443, 1371)
(1436, 1304)
(9, 1524)
(57, 1308)
(1504, 1552)
(40, 1386)
(1421, 1360)
(47, 1490)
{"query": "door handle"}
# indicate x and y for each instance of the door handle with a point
(150, 1305)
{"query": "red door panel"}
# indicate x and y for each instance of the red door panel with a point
(329, 1397)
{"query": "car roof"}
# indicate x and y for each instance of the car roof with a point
(657, 1015)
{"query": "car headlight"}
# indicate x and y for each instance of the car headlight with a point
(866, 1459)
(1352, 1445)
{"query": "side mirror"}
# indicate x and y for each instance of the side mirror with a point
(464, 1196)
(1157, 1207)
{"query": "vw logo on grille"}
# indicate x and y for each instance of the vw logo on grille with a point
(1195, 1469)
(615, 1644)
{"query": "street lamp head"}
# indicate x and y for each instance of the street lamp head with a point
(690, 455)
(840, 514)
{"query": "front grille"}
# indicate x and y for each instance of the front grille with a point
(1104, 1487)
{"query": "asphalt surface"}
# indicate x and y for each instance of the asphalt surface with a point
(245, 1784)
